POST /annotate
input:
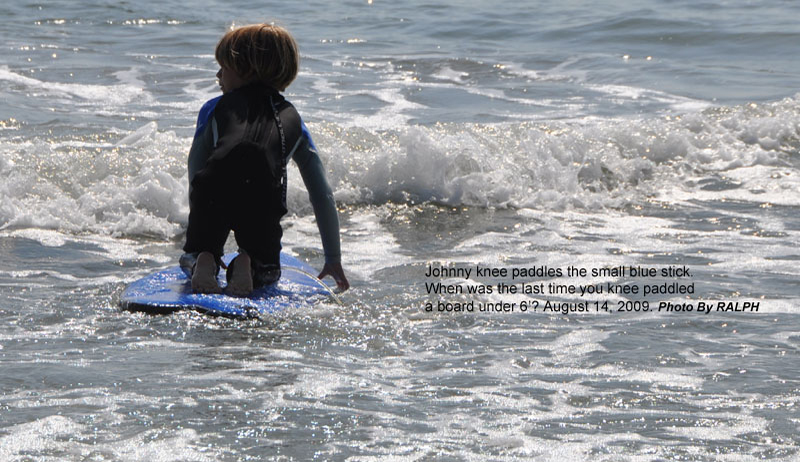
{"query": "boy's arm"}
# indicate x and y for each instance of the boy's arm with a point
(203, 142)
(199, 153)
(324, 205)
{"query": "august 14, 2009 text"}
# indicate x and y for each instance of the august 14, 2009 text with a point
(545, 289)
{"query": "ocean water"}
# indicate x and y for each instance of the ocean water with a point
(457, 135)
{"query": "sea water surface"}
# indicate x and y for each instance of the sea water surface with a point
(455, 134)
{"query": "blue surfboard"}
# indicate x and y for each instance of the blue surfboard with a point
(170, 290)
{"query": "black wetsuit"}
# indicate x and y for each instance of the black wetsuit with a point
(242, 186)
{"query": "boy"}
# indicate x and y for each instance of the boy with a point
(237, 167)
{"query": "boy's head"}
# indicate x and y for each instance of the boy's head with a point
(260, 52)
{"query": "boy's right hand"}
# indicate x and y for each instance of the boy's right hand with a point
(335, 271)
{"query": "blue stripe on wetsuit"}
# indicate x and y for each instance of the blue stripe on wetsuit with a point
(208, 110)
(205, 115)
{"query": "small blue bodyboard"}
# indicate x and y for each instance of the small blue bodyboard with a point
(170, 290)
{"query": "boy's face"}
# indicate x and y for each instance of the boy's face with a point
(229, 80)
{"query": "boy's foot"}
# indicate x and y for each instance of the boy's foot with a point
(204, 277)
(240, 277)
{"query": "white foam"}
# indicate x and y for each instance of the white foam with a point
(38, 437)
(133, 182)
(112, 95)
(448, 74)
(137, 187)
(625, 92)
(558, 165)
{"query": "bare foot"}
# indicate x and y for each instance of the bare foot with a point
(204, 277)
(240, 281)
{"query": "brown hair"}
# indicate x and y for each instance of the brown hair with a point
(260, 52)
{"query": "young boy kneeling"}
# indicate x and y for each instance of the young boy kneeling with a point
(237, 167)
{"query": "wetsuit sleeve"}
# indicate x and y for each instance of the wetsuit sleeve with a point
(200, 151)
(203, 141)
(321, 197)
